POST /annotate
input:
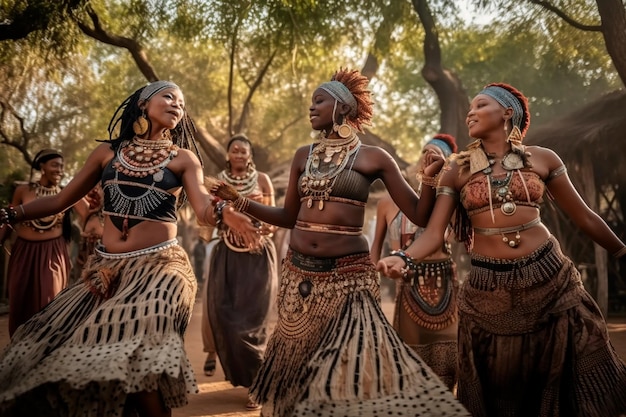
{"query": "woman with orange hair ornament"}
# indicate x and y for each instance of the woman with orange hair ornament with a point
(332, 351)
(532, 341)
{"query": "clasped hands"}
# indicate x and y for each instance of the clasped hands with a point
(248, 231)
(398, 265)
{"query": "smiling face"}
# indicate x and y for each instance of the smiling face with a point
(51, 171)
(165, 109)
(485, 117)
(321, 110)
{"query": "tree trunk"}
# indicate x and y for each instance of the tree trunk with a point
(613, 15)
(590, 195)
(453, 99)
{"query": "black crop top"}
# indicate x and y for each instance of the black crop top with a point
(138, 199)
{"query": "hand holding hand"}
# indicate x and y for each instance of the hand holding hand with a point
(392, 267)
(433, 162)
(243, 225)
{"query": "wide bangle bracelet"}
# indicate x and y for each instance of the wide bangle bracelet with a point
(410, 265)
(620, 252)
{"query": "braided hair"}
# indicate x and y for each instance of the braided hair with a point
(120, 129)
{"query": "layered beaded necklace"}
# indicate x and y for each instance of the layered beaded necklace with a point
(499, 189)
(322, 167)
(142, 157)
(244, 184)
(49, 222)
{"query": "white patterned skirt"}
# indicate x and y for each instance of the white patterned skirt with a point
(117, 331)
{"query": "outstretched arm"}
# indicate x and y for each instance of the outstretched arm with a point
(433, 237)
(207, 210)
(571, 203)
(279, 216)
(78, 187)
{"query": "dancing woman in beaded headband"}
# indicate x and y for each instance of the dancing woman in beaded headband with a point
(522, 296)
(137, 290)
(329, 288)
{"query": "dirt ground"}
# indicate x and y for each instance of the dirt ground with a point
(218, 398)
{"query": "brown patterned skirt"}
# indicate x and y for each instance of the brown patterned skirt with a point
(333, 353)
(532, 341)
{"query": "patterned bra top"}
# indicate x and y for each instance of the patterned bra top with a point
(525, 187)
(350, 187)
(138, 199)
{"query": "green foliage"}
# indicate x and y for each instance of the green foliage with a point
(68, 86)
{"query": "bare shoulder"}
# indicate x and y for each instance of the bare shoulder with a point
(184, 160)
(300, 157)
(264, 180)
(543, 158)
(374, 159)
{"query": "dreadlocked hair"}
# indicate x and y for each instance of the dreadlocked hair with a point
(449, 139)
(120, 129)
(357, 84)
(525, 124)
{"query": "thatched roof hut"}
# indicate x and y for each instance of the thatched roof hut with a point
(592, 143)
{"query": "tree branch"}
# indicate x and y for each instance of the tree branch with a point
(135, 49)
(560, 13)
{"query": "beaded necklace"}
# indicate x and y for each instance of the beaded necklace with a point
(244, 184)
(320, 174)
(49, 222)
(141, 157)
(511, 162)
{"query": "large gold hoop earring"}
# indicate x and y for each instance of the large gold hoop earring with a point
(140, 126)
(344, 130)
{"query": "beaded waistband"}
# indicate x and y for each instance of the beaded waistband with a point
(328, 228)
(315, 264)
(101, 251)
(488, 273)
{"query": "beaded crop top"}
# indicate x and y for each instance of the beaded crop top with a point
(522, 187)
(350, 187)
(131, 200)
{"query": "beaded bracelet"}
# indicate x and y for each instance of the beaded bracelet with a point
(408, 261)
(218, 213)
(8, 216)
(430, 181)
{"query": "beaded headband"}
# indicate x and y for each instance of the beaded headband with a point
(153, 88)
(506, 100)
(445, 148)
(44, 156)
(341, 93)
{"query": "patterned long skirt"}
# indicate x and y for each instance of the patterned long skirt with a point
(117, 331)
(532, 341)
(333, 353)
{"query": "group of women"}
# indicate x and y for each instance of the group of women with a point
(530, 339)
